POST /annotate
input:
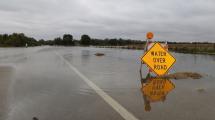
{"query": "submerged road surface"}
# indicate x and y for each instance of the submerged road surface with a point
(71, 83)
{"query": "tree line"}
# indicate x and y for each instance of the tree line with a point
(16, 40)
(20, 40)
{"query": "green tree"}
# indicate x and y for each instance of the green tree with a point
(67, 40)
(85, 40)
(16, 40)
(58, 41)
(113, 42)
(1, 40)
(41, 42)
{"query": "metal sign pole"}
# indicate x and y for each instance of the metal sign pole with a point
(141, 63)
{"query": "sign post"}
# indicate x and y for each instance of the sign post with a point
(158, 59)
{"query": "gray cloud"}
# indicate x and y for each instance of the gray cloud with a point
(173, 20)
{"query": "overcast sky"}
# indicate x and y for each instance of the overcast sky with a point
(172, 20)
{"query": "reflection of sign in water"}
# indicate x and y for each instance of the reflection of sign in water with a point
(158, 59)
(157, 89)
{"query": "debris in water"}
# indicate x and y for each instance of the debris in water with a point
(183, 75)
(99, 54)
(35, 118)
(200, 90)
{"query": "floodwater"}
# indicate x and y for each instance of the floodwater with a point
(37, 82)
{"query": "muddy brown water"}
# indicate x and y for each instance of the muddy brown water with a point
(43, 86)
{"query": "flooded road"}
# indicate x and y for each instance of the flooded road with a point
(71, 83)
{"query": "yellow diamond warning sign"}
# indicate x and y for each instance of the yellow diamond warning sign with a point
(157, 89)
(158, 59)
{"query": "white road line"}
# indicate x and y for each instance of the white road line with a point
(113, 103)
